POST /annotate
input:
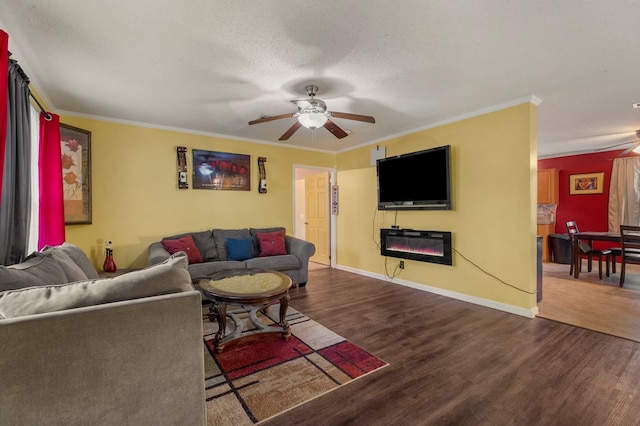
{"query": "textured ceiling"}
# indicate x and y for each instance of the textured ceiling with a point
(212, 66)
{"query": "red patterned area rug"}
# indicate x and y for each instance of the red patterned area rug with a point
(259, 376)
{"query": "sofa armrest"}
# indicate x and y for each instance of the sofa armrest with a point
(299, 248)
(132, 362)
(303, 250)
(157, 254)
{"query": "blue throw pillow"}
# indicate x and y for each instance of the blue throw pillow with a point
(239, 248)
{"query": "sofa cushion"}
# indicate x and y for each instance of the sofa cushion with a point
(239, 248)
(170, 276)
(185, 244)
(40, 269)
(254, 234)
(208, 269)
(220, 236)
(276, 263)
(271, 243)
(77, 255)
(204, 241)
(70, 268)
(207, 246)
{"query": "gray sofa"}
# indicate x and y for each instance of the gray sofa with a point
(212, 246)
(77, 349)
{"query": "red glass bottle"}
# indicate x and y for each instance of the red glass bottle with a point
(109, 265)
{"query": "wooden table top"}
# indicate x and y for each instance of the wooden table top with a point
(245, 284)
(598, 235)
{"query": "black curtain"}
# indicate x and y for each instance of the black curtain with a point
(16, 182)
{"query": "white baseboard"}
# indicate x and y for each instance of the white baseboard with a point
(528, 313)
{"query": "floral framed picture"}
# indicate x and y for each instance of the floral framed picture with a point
(586, 183)
(75, 146)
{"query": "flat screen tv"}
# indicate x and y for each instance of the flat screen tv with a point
(418, 180)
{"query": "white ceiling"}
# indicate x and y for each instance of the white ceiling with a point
(212, 66)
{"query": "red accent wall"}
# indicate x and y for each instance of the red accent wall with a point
(589, 211)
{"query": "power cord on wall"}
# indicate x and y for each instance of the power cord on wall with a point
(396, 270)
(374, 236)
(374, 228)
(493, 276)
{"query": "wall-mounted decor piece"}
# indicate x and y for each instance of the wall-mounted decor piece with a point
(262, 184)
(182, 167)
(221, 170)
(586, 183)
(75, 147)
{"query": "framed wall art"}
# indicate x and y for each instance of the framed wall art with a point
(221, 170)
(75, 145)
(586, 183)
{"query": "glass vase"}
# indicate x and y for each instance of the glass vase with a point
(109, 265)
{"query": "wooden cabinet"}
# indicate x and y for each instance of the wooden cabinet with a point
(544, 231)
(548, 186)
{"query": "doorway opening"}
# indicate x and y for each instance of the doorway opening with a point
(313, 220)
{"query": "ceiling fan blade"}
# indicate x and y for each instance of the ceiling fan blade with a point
(631, 148)
(357, 117)
(608, 148)
(633, 144)
(275, 117)
(290, 132)
(335, 130)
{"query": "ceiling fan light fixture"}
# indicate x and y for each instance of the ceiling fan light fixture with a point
(313, 114)
(312, 120)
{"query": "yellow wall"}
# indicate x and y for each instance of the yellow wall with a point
(492, 220)
(136, 200)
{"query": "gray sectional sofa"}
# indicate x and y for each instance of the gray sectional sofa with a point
(78, 349)
(212, 246)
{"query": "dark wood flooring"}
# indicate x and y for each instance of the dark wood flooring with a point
(453, 362)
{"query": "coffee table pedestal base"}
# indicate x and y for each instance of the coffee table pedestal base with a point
(218, 312)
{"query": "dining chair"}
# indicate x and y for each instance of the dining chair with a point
(630, 242)
(616, 252)
(585, 250)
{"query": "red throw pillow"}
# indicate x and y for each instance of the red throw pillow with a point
(186, 245)
(271, 243)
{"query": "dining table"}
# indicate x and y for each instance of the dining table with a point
(589, 237)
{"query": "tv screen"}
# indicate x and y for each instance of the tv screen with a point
(417, 180)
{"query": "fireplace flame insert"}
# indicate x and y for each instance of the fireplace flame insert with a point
(424, 246)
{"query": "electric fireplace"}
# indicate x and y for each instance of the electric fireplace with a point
(424, 246)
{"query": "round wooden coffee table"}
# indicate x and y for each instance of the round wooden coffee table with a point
(252, 290)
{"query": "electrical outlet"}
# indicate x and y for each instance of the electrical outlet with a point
(401, 264)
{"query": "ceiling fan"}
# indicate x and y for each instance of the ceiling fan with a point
(634, 145)
(312, 114)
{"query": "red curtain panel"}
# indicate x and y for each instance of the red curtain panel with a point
(4, 78)
(51, 212)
